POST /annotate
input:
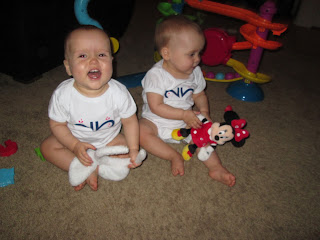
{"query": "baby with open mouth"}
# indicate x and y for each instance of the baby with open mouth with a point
(88, 110)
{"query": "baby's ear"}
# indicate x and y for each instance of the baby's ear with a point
(67, 67)
(164, 52)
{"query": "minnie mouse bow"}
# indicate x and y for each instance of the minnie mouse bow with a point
(240, 133)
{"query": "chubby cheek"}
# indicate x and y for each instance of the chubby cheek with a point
(189, 65)
(79, 69)
(108, 65)
(184, 67)
(108, 68)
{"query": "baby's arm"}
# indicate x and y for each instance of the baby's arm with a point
(131, 133)
(65, 137)
(201, 102)
(158, 107)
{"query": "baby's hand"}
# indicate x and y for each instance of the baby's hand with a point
(80, 150)
(191, 119)
(133, 155)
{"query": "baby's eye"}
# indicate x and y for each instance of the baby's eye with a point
(102, 55)
(82, 56)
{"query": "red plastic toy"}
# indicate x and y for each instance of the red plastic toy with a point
(10, 148)
(218, 48)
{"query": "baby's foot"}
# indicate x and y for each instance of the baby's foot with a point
(223, 175)
(80, 186)
(92, 181)
(177, 167)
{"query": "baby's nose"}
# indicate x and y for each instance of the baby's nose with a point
(198, 58)
(93, 59)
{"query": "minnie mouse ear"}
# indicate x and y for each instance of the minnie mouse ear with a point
(230, 115)
(238, 144)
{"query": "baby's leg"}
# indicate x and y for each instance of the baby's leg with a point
(54, 152)
(218, 172)
(119, 140)
(150, 141)
(92, 180)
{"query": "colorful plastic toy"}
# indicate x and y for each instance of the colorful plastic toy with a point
(173, 7)
(6, 176)
(9, 149)
(39, 154)
(132, 80)
(80, 10)
(255, 32)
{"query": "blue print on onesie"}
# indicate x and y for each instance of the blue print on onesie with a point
(95, 126)
(180, 93)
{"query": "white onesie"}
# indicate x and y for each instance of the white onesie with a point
(176, 93)
(93, 120)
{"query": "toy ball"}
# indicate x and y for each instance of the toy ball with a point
(237, 75)
(220, 76)
(229, 76)
(210, 75)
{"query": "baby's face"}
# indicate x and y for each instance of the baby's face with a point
(184, 53)
(89, 61)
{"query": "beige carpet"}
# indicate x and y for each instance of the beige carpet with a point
(277, 190)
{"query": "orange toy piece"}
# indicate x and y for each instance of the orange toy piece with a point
(250, 33)
(241, 45)
(238, 13)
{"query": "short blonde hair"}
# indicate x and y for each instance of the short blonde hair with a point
(170, 26)
(84, 28)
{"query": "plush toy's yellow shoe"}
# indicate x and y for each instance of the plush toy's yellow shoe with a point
(176, 135)
(186, 154)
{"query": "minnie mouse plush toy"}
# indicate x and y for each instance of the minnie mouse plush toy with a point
(212, 134)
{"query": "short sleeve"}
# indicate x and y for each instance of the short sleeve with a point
(57, 110)
(126, 104)
(152, 82)
(199, 80)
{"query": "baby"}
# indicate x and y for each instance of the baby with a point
(170, 89)
(88, 110)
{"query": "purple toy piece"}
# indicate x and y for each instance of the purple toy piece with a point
(229, 76)
(210, 75)
(237, 75)
(267, 10)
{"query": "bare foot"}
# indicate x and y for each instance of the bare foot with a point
(177, 167)
(80, 186)
(92, 180)
(223, 175)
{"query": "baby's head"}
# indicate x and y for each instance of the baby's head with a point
(171, 27)
(180, 42)
(88, 58)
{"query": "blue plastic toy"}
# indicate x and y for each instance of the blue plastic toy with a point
(6, 176)
(80, 10)
(132, 80)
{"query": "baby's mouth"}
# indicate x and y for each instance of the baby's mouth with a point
(94, 74)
